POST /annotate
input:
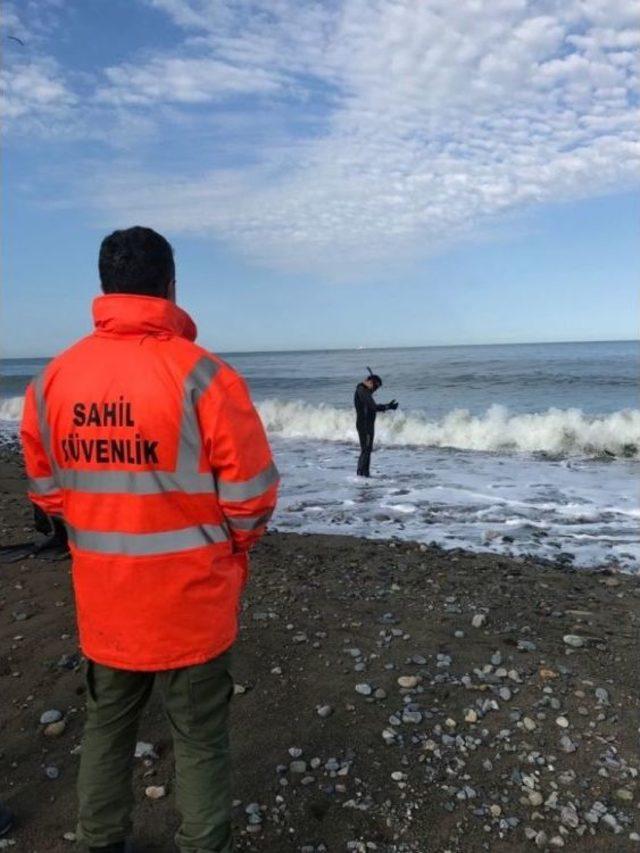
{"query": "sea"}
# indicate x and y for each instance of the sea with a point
(527, 449)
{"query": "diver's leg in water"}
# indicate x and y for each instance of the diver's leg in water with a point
(362, 435)
(366, 453)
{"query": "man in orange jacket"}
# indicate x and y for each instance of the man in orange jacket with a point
(150, 450)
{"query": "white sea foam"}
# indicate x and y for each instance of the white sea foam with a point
(562, 432)
(11, 409)
(556, 431)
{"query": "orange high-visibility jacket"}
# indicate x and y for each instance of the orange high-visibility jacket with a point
(151, 451)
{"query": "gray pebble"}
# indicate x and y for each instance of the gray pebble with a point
(51, 716)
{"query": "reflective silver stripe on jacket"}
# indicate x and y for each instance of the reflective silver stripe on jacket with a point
(190, 441)
(246, 489)
(147, 544)
(43, 424)
(135, 482)
(42, 485)
(248, 522)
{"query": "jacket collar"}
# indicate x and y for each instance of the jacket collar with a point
(129, 314)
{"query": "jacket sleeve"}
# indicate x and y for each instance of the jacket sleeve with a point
(42, 488)
(240, 457)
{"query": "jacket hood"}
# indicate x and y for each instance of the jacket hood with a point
(130, 314)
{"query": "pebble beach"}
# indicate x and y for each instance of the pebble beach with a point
(390, 696)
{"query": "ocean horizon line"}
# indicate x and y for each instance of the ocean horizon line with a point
(379, 348)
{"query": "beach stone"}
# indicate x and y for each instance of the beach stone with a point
(535, 798)
(413, 717)
(145, 750)
(51, 716)
(324, 711)
(51, 772)
(562, 722)
(471, 716)
(298, 767)
(364, 689)
(567, 744)
(569, 817)
(69, 836)
(479, 619)
(295, 751)
(574, 641)
(529, 724)
(602, 695)
(546, 673)
(155, 792)
(624, 794)
(610, 821)
(409, 681)
(55, 729)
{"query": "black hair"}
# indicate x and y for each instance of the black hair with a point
(136, 260)
(374, 378)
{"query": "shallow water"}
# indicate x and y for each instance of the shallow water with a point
(528, 449)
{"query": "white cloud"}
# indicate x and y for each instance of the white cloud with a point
(443, 115)
(429, 120)
(34, 89)
(183, 80)
(33, 86)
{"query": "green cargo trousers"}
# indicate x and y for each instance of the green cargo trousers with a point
(196, 701)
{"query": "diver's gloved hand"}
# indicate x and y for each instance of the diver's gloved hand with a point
(393, 405)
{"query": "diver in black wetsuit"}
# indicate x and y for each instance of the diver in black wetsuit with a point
(366, 410)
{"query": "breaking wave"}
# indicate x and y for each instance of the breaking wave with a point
(558, 432)
(11, 409)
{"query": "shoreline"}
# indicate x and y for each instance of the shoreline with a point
(502, 735)
(12, 476)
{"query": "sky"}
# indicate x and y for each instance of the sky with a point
(331, 174)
